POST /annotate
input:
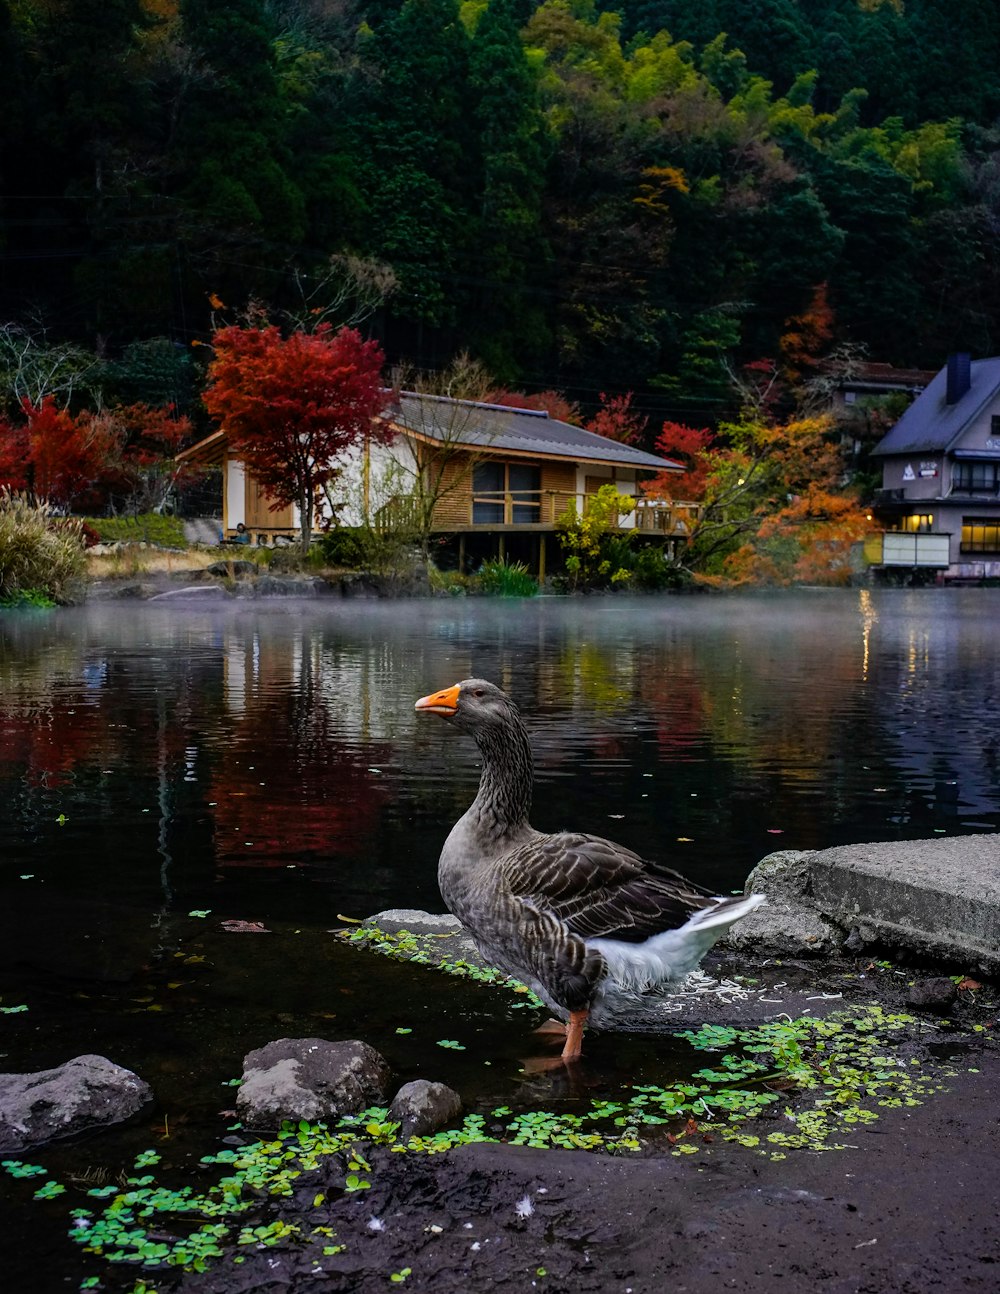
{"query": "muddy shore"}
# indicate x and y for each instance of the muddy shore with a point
(910, 1206)
(913, 1209)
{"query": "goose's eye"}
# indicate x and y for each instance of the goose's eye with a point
(479, 692)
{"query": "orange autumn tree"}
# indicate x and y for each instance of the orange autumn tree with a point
(772, 506)
(292, 405)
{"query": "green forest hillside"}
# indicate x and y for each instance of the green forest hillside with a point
(586, 199)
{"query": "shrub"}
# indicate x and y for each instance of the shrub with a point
(40, 555)
(362, 548)
(595, 555)
(507, 580)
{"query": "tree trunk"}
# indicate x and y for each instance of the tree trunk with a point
(306, 514)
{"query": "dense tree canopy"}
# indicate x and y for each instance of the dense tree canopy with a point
(589, 199)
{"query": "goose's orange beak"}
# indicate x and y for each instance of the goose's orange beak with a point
(443, 702)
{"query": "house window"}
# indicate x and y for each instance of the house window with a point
(487, 494)
(995, 425)
(976, 478)
(980, 535)
(916, 523)
(506, 494)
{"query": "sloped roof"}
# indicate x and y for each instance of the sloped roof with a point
(515, 431)
(930, 424)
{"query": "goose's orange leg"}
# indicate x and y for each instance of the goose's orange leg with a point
(574, 1034)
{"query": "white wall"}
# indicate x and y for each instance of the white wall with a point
(391, 471)
(236, 493)
(605, 473)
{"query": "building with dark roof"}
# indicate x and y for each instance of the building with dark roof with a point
(492, 479)
(941, 468)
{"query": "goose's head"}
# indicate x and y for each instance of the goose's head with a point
(472, 705)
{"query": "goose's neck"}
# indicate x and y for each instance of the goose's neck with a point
(503, 802)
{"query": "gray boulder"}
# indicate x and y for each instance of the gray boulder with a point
(86, 1092)
(309, 1078)
(788, 923)
(421, 1108)
(236, 566)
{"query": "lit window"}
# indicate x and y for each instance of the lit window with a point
(916, 522)
(980, 535)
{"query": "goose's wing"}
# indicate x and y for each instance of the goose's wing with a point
(598, 889)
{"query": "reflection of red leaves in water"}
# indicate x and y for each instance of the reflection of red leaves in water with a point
(319, 806)
(45, 746)
(237, 927)
(676, 698)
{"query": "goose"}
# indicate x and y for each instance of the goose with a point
(585, 923)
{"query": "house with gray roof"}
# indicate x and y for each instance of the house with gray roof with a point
(488, 479)
(941, 472)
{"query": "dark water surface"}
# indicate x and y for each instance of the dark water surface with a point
(264, 763)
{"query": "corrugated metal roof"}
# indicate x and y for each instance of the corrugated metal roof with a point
(930, 423)
(523, 431)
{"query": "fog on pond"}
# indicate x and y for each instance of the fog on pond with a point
(166, 768)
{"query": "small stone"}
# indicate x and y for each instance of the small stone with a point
(422, 1107)
(854, 942)
(309, 1078)
(937, 995)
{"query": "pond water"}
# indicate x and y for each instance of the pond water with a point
(165, 768)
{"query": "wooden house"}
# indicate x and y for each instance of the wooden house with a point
(490, 479)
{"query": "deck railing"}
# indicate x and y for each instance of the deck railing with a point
(530, 508)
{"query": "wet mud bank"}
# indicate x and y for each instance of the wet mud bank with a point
(912, 1208)
(902, 1203)
(867, 1164)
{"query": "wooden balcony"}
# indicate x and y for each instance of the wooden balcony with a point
(530, 510)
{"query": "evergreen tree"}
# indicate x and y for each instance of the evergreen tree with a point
(512, 146)
(420, 177)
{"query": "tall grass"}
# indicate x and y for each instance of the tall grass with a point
(507, 580)
(41, 556)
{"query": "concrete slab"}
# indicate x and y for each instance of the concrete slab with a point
(938, 898)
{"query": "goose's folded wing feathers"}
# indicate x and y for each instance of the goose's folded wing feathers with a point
(599, 889)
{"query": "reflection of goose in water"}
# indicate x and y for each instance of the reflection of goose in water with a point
(584, 922)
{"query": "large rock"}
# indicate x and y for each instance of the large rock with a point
(936, 898)
(232, 568)
(309, 1078)
(421, 1108)
(788, 923)
(86, 1092)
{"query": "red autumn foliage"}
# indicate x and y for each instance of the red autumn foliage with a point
(617, 420)
(554, 403)
(292, 405)
(690, 446)
(80, 461)
(51, 455)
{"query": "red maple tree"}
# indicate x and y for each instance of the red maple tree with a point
(53, 455)
(619, 420)
(292, 405)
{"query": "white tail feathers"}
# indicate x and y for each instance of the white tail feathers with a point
(637, 968)
(726, 911)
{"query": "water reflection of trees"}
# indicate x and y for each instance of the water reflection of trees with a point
(298, 777)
